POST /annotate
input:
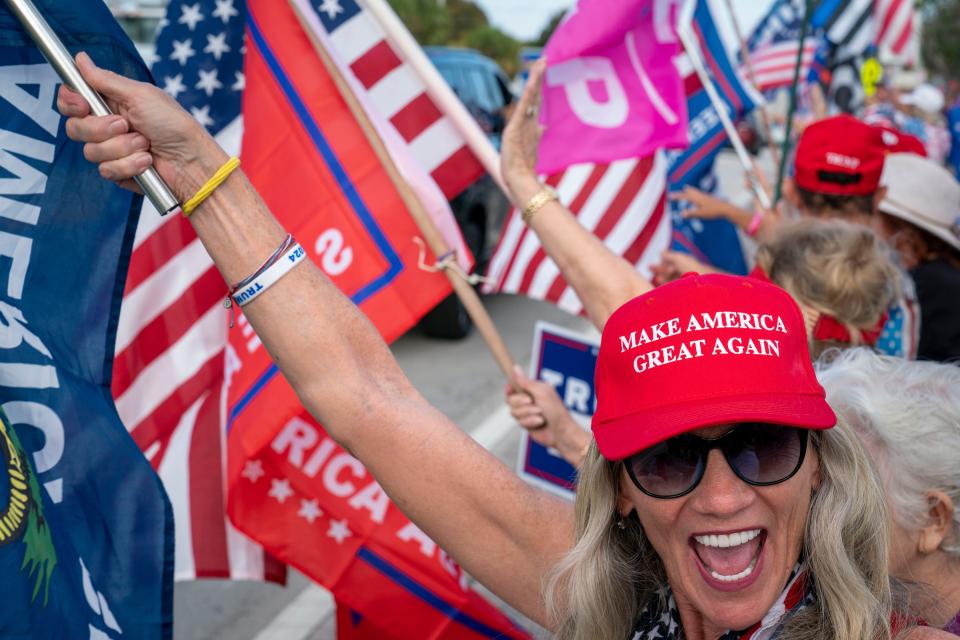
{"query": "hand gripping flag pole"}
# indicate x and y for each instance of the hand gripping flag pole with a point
(60, 59)
(690, 45)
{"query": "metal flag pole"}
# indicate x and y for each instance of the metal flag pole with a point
(690, 45)
(808, 9)
(62, 62)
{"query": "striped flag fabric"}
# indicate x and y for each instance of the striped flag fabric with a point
(773, 64)
(847, 25)
(622, 203)
(172, 364)
(773, 44)
(394, 89)
(895, 22)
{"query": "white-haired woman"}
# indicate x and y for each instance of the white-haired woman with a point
(908, 415)
(716, 502)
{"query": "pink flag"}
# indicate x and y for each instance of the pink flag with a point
(611, 89)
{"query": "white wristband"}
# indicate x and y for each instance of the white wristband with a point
(270, 276)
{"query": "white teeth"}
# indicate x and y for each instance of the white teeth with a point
(734, 578)
(725, 540)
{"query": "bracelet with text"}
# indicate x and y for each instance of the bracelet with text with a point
(288, 255)
(210, 185)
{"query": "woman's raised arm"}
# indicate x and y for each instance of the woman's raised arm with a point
(602, 279)
(502, 531)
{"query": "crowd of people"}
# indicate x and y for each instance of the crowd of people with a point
(732, 487)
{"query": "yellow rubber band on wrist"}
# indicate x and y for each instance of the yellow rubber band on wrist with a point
(215, 181)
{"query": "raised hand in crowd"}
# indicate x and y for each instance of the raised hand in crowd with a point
(602, 279)
(537, 407)
(674, 264)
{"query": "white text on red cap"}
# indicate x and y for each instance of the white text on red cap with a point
(698, 348)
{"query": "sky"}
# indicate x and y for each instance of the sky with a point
(524, 19)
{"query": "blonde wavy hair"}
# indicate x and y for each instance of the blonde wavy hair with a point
(600, 587)
(835, 268)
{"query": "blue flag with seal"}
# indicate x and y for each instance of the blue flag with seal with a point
(712, 241)
(86, 530)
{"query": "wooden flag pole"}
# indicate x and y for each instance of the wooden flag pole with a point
(464, 290)
(745, 54)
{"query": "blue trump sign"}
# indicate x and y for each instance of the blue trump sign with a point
(566, 360)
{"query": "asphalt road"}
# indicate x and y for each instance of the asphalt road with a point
(459, 378)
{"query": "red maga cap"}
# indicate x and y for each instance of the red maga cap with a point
(839, 156)
(891, 140)
(703, 351)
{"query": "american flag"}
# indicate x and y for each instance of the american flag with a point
(622, 203)
(895, 22)
(173, 364)
(773, 46)
(394, 90)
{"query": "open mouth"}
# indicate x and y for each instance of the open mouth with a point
(729, 557)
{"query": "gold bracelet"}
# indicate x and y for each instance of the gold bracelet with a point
(540, 198)
(215, 181)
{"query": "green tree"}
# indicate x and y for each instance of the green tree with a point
(940, 46)
(494, 43)
(550, 27)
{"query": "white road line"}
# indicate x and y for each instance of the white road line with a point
(314, 604)
(308, 610)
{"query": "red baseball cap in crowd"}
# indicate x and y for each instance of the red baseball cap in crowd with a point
(839, 156)
(891, 140)
(701, 351)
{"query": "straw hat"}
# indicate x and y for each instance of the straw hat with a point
(924, 194)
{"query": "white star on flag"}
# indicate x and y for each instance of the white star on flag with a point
(331, 8)
(217, 44)
(253, 470)
(309, 510)
(150, 57)
(202, 115)
(182, 51)
(208, 81)
(190, 15)
(225, 10)
(174, 86)
(280, 490)
(339, 531)
(240, 82)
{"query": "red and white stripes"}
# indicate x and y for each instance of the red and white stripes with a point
(622, 203)
(895, 25)
(395, 90)
(773, 64)
(168, 384)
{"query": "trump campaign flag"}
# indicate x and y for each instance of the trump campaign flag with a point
(86, 531)
(290, 486)
(610, 90)
(713, 242)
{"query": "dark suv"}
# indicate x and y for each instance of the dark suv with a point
(480, 210)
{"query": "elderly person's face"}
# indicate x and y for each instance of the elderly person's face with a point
(769, 522)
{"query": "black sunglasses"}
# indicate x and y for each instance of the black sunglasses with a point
(760, 455)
